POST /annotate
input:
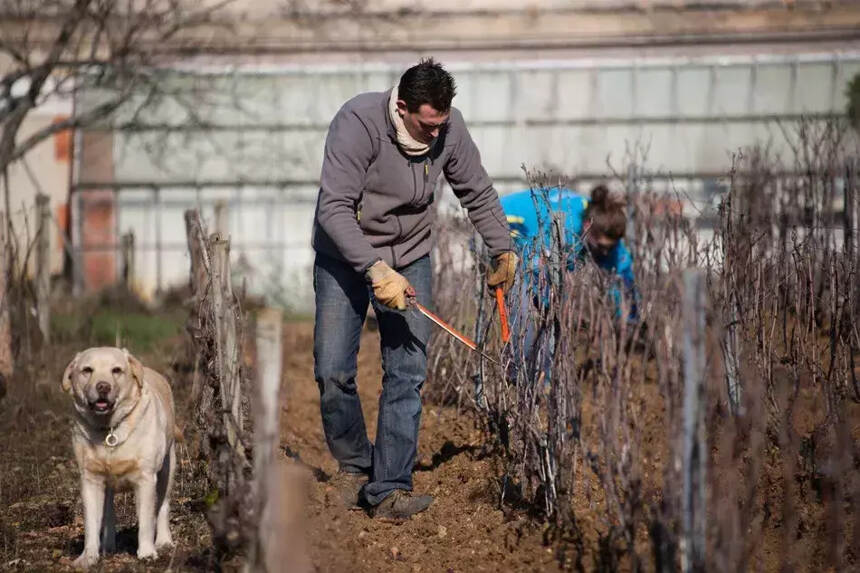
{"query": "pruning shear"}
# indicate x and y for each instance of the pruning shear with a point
(503, 314)
(460, 337)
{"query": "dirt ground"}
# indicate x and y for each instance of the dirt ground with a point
(41, 525)
(464, 529)
(41, 522)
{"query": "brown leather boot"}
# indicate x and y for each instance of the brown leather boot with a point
(345, 487)
(400, 506)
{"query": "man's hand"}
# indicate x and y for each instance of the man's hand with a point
(503, 271)
(389, 287)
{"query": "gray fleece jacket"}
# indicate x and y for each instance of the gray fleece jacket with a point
(374, 200)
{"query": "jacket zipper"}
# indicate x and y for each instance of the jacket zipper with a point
(428, 163)
(414, 183)
(426, 168)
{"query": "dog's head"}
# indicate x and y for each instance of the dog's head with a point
(100, 379)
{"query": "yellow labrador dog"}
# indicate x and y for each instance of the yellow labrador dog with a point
(124, 438)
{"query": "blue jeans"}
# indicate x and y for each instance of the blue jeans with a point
(342, 296)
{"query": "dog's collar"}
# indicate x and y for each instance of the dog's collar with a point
(110, 439)
(119, 431)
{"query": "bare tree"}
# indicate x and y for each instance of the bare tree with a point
(99, 54)
(62, 48)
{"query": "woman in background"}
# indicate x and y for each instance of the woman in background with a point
(590, 229)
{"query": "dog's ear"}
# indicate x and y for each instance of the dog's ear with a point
(67, 375)
(135, 368)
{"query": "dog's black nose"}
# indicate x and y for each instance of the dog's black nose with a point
(103, 388)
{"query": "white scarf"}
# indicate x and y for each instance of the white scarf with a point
(407, 143)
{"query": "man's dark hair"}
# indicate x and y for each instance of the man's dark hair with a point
(427, 82)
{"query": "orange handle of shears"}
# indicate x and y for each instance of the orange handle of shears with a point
(503, 314)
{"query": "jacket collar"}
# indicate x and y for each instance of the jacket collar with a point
(435, 148)
(389, 125)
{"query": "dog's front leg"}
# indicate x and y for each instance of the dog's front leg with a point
(163, 539)
(145, 498)
(108, 541)
(93, 495)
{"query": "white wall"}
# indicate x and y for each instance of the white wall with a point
(570, 116)
(40, 171)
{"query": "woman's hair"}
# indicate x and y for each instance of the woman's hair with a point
(606, 213)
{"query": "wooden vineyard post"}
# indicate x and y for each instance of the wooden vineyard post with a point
(694, 450)
(43, 267)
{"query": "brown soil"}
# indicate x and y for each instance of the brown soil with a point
(41, 526)
(41, 523)
(464, 529)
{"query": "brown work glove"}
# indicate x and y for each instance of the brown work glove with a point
(389, 287)
(502, 271)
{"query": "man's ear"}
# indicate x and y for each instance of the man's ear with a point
(67, 374)
(135, 368)
(401, 107)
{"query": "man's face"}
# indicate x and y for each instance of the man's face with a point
(599, 244)
(425, 124)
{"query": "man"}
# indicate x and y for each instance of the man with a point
(383, 155)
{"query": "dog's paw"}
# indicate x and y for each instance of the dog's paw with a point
(147, 553)
(162, 544)
(86, 560)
